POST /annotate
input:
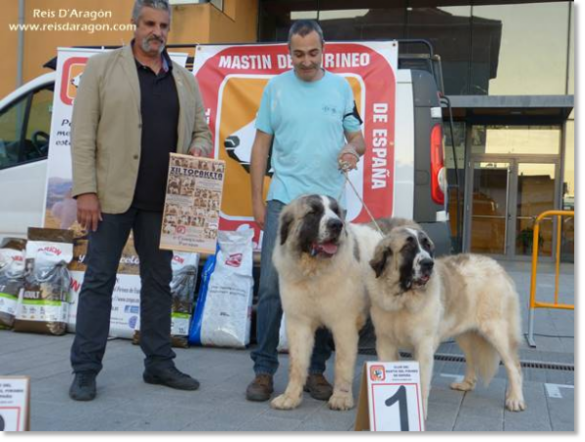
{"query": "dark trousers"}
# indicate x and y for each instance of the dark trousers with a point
(95, 299)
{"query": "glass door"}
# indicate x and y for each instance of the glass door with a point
(506, 197)
(489, 207)
(535, 193)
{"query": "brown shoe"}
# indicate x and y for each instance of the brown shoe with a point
(260, 389)
(318, 387)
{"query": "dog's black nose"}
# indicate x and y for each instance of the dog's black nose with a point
(334, 225)
(426, 265)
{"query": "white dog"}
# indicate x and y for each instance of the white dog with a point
(321, 261)
(418, 302)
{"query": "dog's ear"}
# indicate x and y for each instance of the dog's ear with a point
(286, 221)
(378, 262)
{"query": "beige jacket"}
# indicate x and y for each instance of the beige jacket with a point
(107, 125)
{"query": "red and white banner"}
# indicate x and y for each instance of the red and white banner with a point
(232, 79)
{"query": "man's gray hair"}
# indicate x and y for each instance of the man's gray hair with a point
(305, 27)
(161, 5)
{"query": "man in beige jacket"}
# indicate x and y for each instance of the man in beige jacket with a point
(134, 106)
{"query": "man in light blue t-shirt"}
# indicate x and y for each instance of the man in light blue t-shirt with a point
(310, 116)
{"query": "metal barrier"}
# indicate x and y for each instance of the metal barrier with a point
(533, 303)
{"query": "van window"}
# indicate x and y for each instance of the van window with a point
(24, 129)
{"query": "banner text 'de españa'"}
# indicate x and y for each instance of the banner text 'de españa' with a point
(380, 145)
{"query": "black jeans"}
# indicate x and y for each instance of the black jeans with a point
(95, 299)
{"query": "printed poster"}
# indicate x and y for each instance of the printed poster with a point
(192, 204)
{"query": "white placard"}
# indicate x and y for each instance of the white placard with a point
(394, 399)
(14, 403)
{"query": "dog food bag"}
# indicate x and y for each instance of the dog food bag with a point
(12, 253)
(43, 305)
(282, 337)
(224, 307)
(195, 329)
(185, 268)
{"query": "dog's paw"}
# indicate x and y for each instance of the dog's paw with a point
(515, 404)
(341, 402)
(463, 386)
(285, 402)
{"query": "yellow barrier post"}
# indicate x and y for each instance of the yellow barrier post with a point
(533, 303)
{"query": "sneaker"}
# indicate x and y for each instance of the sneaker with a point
(260, 389)
(83, 387)
(170, 377)
(318, 387)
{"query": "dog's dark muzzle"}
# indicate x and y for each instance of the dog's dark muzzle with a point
(426, 271)
(334, 227)
(329, 247)
(426, 267)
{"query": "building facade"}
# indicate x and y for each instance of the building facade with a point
(32, 30)
(508, 71)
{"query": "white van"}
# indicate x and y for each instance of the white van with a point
(25, 125)
(25, 122)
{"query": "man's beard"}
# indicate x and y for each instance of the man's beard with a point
(146, 44)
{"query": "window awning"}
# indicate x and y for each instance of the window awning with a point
(517, 109)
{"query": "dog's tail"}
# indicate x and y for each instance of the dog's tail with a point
(486, 359)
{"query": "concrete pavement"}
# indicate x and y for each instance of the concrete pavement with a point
(125, 402)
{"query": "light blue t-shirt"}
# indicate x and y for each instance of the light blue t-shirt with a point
(307, 121)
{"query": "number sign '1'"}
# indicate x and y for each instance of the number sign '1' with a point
(390, 397)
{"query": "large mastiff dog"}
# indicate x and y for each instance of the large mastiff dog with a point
(321, 262)
(418, 301)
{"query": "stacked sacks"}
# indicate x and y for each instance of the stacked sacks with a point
(125, 297)
(185, 268)
(43, 305)
(12, 253)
